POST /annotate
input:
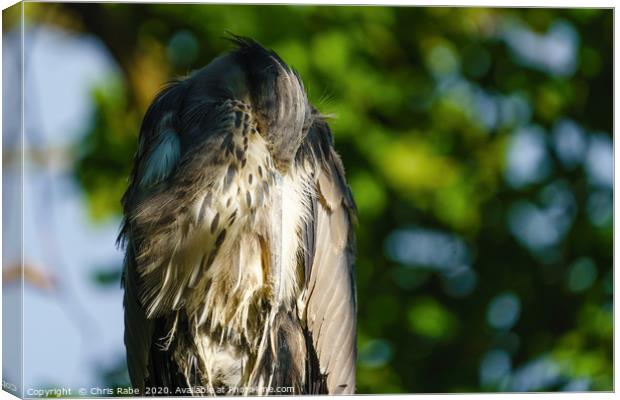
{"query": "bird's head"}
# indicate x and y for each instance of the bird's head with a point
(260, 77)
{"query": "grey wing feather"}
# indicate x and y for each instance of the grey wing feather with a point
(331, 302)
(138, 329)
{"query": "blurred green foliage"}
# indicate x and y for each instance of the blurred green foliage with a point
(452, 125)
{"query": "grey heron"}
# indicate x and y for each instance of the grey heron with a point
(238, 233)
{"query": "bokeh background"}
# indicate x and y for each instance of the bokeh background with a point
(478, 143)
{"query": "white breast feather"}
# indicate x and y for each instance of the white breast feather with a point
(295, 210)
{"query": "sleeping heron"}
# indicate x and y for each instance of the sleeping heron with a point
(238, 237)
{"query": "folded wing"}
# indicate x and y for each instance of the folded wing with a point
(330, 281)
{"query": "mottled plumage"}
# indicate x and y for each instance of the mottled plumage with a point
(238, 236)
